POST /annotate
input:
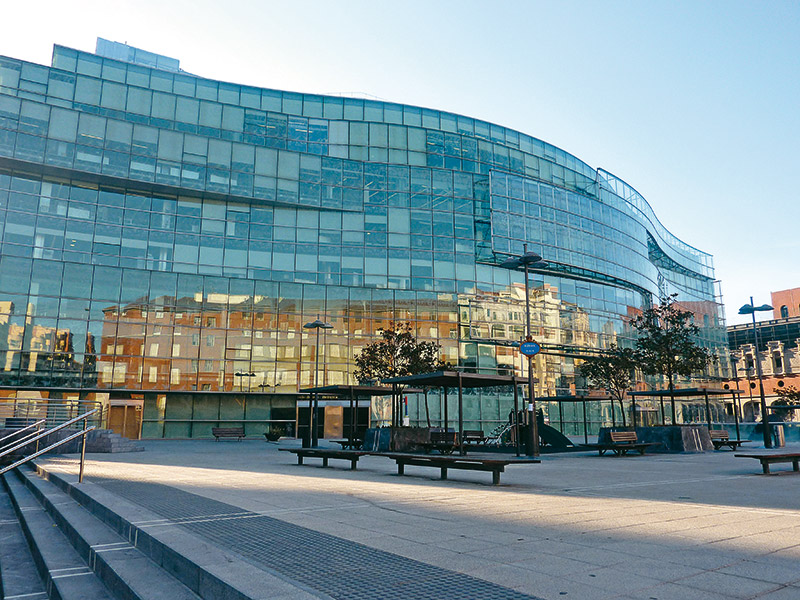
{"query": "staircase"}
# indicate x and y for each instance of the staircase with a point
(105, 440)
(52, 547)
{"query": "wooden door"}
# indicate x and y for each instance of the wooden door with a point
(334, 419)
(126, 420)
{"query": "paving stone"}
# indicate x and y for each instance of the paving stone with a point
(698, 523)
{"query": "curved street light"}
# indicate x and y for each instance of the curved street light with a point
(751, 309)
(525, 262)
(313, 413)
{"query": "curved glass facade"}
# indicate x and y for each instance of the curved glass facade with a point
(166, 236)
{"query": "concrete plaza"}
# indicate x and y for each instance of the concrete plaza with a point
(706, 526)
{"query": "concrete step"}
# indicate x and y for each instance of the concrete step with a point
(120, 566)
(208, 570)
(105, 440)
(18, 575)
(65, 575)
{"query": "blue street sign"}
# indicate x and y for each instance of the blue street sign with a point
(529, 348)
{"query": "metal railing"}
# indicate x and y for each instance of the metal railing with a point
(54, 411)
(86, 429)
(35, 426)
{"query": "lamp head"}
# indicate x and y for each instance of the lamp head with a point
(318, 325)
(749, 309)
(511, 263)
(530, 258)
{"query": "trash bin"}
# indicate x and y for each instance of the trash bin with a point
(778, 439)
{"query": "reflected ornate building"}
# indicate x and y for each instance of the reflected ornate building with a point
(778, 352)
(165, 237)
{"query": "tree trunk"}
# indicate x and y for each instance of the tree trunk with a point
(622, 411)
(427, 410)
(672, 397)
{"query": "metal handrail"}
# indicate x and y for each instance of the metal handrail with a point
(56, 410)
(56, 445)
(47, 432)
(26, 439)
(18, 431)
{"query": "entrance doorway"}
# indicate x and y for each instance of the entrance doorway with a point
(125, 418)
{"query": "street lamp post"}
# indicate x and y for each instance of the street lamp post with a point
(313, 415)
(751, 309)
(241, 375)
(526, 261)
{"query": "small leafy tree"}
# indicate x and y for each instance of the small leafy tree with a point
(667, 343)
(397, 354)
(611, 371)
(789, 401)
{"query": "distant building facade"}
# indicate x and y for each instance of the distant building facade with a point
(786, 303)
(166, 236)
(778, 351)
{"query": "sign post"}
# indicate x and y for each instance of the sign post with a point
(530, 348)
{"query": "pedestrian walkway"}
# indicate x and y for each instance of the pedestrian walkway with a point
(577, 526)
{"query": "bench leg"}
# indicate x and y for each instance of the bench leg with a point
(765, 467)
(324, 461)
(496, 477)
(299, 460)
(795, 465)
(401, 468)
(353, 462)
(444, 473)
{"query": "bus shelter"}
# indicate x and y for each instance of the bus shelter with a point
(570, 399)
(454, 380)
(688, 393)
(340, 392)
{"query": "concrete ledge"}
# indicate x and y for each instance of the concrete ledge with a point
(668, 438)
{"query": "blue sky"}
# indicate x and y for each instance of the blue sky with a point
(694, 104)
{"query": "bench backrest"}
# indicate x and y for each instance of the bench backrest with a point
(622, 436)
(443, 437)
(227, 431)
(719, 434)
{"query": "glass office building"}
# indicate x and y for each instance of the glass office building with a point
(165, 237)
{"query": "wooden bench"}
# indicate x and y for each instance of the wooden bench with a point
(326, 454)
(474, 436)
(356, 444)
(496, 466)
(623, 441)
(227, 432)
(443, 441)
(720, 438)
(768, 459)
